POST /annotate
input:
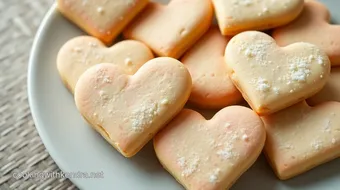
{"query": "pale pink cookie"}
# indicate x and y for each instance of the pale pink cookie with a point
(331, 91)
(212, 87)
(103, 19)
(272, 78)
(235, 16)
(210, 154)
(300, 138)
(80, 53)
(312, 27)
(169, 30)
(129, 110)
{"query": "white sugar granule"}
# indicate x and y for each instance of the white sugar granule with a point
(165, 101)
(320, 60)
(257, 51)
(245, 137)
(143, 116)
(262, 85)
(317, 144)
(327, 127)
(100, 10)
(299, 69)
(181, 162)
(77, 49)
(227, 152)
(213, 178)
(276, 90)
(107, 79)
(188, 166)
(234, 137)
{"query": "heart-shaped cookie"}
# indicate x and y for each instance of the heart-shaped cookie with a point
(330, 92)
(272, 78)
(312, 27)
(235, 16)
(80, 53)
(129, 110)
(169, 30)
(300, 138)
(102, 19)
(210, 154)
(212, 87)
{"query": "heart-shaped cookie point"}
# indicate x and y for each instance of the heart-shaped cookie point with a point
(311, 27)
(169, 30)
(80, 53)
(330, 92)
(101, 18)
(129, 110)
(235, 16)
(301, 137)
(210, 154)
(212, 87)
(272, 78)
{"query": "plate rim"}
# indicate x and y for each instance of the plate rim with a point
(32, 64)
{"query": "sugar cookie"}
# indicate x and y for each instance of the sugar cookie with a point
(169, 30)
(210, 154)
(129, 110)
(331, 91)
(300, 138)
(312, 27)
(212, 87)
(235, 16)
(102, 19)
(272, 78)
(80, 53)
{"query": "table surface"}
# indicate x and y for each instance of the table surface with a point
(21, 149)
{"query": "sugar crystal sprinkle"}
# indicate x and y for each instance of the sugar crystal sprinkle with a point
(262, 85)
(100, 10)
(188, 166)
(317, 144)
(213, 178)
(320, 60)
(245, 137)
(227, 152)
(276, 90)
(165, 101)
(143, 116)
(299, 69)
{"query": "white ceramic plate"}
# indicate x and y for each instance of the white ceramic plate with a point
(76, 147)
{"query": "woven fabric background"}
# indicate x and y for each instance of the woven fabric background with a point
(21, 149)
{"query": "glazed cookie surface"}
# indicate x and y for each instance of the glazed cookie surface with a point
(102, 19)
(312, 27)
(212, 87)
(272, 78)
(80, 53)
(129, 110)
(331, 91)
(300, 138)
(235, 16)
(169, 30)
(210, 154)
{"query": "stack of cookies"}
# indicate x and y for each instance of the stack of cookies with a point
(277, 56)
